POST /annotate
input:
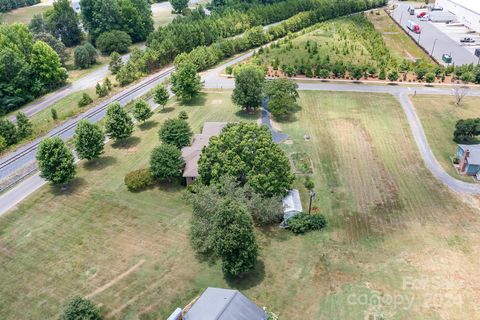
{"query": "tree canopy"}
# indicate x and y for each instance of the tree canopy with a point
(62, 22)
(118, 124)
(186, 82)
(55, 161)
(282, 97)
(79, 308)
(176, 131)
(27, 68)
(246, 151)
(166, 162)
(249, 82)
(161, 95)
(141, 110)
(89, 140)
(221, 227)
(179, 5)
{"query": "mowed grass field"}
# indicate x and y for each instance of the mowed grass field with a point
(395, 238)
(23, 15)
(438, 115)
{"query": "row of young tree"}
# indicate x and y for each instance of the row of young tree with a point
(11, 133)
(204, 37)
(8, 5)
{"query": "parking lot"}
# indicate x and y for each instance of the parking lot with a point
(439, 37)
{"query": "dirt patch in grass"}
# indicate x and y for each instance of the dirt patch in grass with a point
(367, 180)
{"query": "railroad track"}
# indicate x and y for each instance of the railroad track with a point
(87, 115)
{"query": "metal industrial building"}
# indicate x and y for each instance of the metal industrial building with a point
(466, 11)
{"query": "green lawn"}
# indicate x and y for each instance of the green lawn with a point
(438, 115)
(129, 252)
(22, 15)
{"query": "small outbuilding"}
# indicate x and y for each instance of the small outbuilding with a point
(469, 159)
(292, 205)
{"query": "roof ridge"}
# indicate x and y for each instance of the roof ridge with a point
(228, 303)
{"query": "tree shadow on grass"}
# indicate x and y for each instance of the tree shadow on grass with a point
(248, 116)
(166, 110)
(69, 188)
(250, 279)
(170, 186)
(274, 232)
(148, 125)
(126, 143)
(100, 163)
(197, 101)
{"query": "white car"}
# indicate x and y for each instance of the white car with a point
(424, 18)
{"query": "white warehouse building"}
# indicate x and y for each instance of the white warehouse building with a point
(466, 11)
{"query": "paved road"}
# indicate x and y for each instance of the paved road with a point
(431, 34)
(212, 79)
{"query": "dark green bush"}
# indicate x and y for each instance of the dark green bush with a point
(113, 41)
(138, 179)
(302, 222)
(85, 100)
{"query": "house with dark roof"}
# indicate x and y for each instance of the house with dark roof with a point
(191, 154)
(220, 304)
(469, 159)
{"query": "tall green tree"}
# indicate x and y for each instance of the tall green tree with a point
(24, 126)
(176, 132)
(246, 151)
(118, 124)
(179, 5)
(62, 22)
(137, 19)
(249, 82)
(8, 132)
(55, 44)
(282, 97)
(161, 95)
(116, 62)
(88, 140)
(85, 56)
(186, 82)
(37, 24)
(79, 308)
(100, 16)
(55, 161)
(166, 162)
(221, 227)
(46, 66)
(141, 110)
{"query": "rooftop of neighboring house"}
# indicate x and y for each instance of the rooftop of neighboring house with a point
(474, 152)
(224, 304)
(191, 154)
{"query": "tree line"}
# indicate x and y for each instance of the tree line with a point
(205, 36)
(28, 67)
(8, 5)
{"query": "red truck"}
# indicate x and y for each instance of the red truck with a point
(413, 26)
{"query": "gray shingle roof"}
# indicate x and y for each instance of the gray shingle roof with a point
(474, 149)
(224, 304)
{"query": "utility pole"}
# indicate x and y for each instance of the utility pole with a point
(433, 48)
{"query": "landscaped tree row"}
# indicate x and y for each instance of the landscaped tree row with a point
(28, 68)
(190, 33)
(7, 5)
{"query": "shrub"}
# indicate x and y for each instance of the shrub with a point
(430, 77)
(85, 100)
(113, 41)
(85, 56)
(302, 222)
(138, 179)
(183, 115)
